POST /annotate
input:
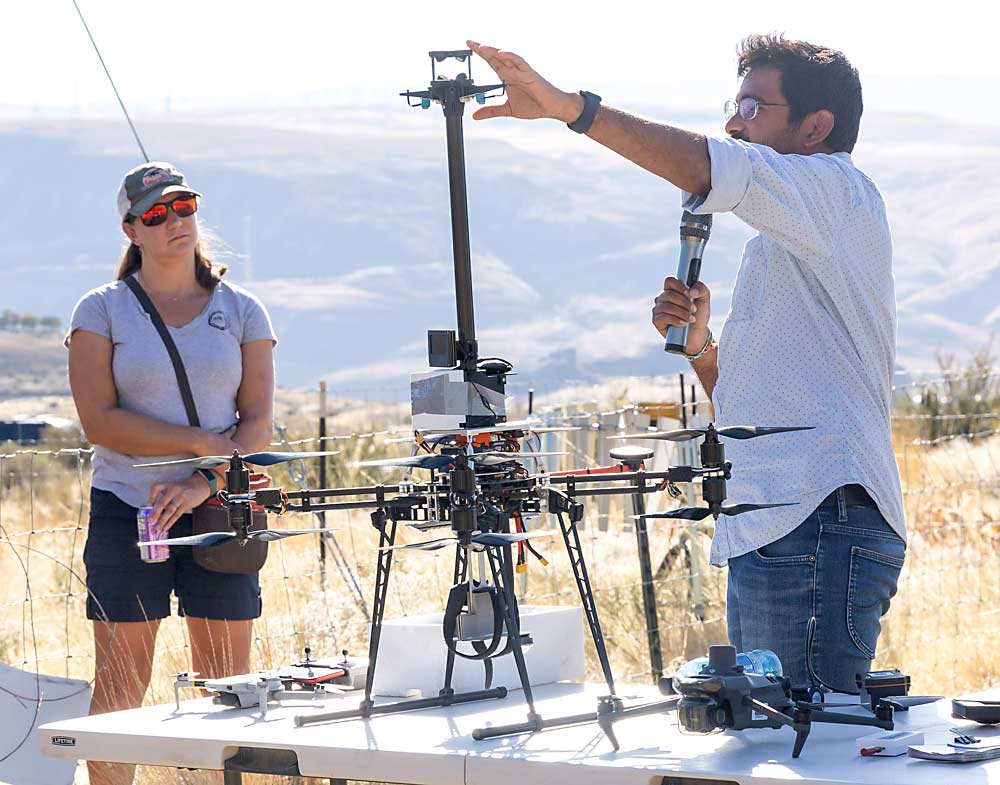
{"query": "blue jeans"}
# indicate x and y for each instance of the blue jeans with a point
(815, 597)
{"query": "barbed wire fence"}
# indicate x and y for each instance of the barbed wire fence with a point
(942, 627)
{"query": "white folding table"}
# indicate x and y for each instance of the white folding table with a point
(435, 746)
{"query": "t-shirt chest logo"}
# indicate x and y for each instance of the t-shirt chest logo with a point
(217, 319)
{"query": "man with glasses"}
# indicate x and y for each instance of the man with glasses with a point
(809, 340)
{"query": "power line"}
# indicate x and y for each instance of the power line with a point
(112, 81)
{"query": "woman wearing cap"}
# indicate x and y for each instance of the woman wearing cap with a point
(128, 400)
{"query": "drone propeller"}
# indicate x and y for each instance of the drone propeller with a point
(493, 458)
(486, 539)
(427, 461)
(438, 461)
(254, 459)
(697, 513)
(218, 538)
(731, 431)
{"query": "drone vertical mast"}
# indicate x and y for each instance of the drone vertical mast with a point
(453, 110)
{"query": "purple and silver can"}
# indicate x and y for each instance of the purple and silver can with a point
(150, 553)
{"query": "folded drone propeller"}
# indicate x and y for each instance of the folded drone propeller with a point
(697, 513)
(731, 431)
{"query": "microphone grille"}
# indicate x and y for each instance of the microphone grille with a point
(699, 226)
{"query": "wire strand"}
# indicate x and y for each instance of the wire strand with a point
(121, 103)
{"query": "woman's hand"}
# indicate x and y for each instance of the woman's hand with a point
(171, 500)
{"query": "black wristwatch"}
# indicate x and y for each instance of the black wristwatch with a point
(212, 480)
(591, 102)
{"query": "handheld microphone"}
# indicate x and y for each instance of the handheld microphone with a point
(694, 235)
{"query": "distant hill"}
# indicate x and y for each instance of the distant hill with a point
(33, 363)
(344, 215)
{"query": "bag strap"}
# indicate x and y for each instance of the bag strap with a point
(175, 356)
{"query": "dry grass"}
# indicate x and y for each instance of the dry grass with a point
(942, 628)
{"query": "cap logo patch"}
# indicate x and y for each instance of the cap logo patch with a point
(155, 176)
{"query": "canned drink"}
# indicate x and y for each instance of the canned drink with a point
(150, 553)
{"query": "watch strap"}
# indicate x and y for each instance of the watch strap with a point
(591, 103)
(212, 480)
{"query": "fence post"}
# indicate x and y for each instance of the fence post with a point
(322, 478)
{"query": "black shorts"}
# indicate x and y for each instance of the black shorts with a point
(123, 588)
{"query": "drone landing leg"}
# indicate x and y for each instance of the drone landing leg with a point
(461, 571)
(508, 604)
(386, 541)
(574, 549)
(648, 591)
(610, 707)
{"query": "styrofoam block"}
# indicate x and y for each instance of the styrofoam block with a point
(61, 699)
(412, 654)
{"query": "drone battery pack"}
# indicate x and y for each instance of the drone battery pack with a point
(476, 624)
(983, 712)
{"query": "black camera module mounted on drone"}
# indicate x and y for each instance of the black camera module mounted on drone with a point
(480, 489)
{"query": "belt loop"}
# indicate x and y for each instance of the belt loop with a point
(841, 505)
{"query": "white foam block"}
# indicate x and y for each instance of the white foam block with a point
(412, 654)
(61, 699)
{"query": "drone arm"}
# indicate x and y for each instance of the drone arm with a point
(836, 718)
(768, 711)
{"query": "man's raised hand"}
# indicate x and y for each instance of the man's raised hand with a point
(529, 96)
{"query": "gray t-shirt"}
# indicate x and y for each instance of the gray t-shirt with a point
(144, 376)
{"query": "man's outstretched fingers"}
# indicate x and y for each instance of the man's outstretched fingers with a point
(488, 53)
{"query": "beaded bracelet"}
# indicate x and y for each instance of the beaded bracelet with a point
(705, 348)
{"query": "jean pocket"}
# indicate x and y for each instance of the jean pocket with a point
(872, 584)
(796, 547)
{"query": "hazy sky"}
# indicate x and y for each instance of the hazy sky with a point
(185, 55)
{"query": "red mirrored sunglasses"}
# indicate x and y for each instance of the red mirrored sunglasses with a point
(184, 205)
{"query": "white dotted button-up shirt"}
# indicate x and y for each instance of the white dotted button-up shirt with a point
(810, 339)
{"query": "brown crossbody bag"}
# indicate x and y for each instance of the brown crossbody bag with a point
(210, 515)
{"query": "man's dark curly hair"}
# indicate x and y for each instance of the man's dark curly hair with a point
(812, 78)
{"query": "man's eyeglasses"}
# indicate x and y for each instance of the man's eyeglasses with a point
(184, 205)
(746, 107)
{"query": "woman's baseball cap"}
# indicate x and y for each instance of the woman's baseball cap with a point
(146, 183)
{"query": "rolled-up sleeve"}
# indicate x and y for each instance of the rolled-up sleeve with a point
(730, 179)
(799, 201)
